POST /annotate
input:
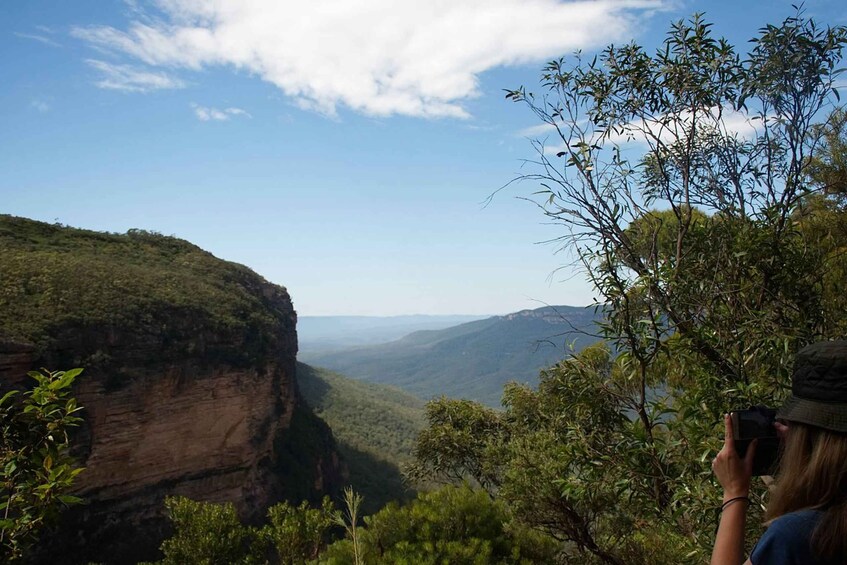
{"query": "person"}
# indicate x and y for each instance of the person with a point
(807, 508)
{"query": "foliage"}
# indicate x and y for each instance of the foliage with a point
(824, 222)
(299, 533)
(350, 522)
(734, 286)
(38, 471)
(208, 534)
(455, 524)
(828, 165)
(463, 439)
(703, 235)
(375, 427)
(60, 283)
(571, 459)
(452, 525)
(702, 239)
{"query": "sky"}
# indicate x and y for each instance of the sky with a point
(345, 149)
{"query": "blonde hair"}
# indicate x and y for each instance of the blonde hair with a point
(813, 475)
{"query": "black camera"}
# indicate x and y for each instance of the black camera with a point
(757, 423)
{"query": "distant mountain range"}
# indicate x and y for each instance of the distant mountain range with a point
(471, 360)
(331, 333)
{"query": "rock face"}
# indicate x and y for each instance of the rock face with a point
(211, 432)
(174, 406)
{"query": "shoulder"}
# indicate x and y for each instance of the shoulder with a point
(787, 540)
(801, 519)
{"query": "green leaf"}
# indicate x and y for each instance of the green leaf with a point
(7, 396)
(70, 499)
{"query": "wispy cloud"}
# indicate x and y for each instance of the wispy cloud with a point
(668, 129)
(129, 78)
(40, 38)
(206, 114)
(662, 129)
(40, 106)
(537, 131)
(378, 57)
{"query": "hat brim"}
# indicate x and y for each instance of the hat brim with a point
(830, 416)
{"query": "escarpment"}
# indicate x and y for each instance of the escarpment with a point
(189, 384)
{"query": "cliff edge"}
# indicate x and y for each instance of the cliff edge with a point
(189, 385)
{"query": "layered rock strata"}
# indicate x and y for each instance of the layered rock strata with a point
(210, 432)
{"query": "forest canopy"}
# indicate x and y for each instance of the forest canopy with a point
(59, 282)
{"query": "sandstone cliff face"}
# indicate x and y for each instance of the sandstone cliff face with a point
(179, 411)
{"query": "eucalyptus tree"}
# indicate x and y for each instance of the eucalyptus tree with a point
(678, 178)
(684, 183)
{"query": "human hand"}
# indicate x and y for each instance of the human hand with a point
(733, 472)
(781, 430)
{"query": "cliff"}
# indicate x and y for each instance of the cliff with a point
(189, 385)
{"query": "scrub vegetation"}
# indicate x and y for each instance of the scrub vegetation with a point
(57, 280)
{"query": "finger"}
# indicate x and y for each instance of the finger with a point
(781, 430)
(728, 440)
(748, 457)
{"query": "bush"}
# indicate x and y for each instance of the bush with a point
(38, 472)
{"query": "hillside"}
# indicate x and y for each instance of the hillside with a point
(375, 427)
(472, 360)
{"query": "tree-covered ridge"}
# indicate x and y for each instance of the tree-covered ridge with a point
(472, 360)
(376, 418)
(58, 279)
(375, 426)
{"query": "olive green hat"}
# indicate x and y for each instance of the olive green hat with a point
(819, 387)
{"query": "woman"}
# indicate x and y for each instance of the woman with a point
(807, 510)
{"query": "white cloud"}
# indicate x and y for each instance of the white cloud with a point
(213, 114)
(237, 112)
(540, 130)
(664, 129)
(39, 38)
(669, 129)
(129, 78)
(544, 130)
(40, 105)
(379, 57)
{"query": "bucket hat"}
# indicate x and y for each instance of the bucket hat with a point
(819, 387)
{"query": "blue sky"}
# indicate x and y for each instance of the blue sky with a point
(341, 149)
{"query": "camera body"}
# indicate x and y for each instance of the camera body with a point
(757, 422)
